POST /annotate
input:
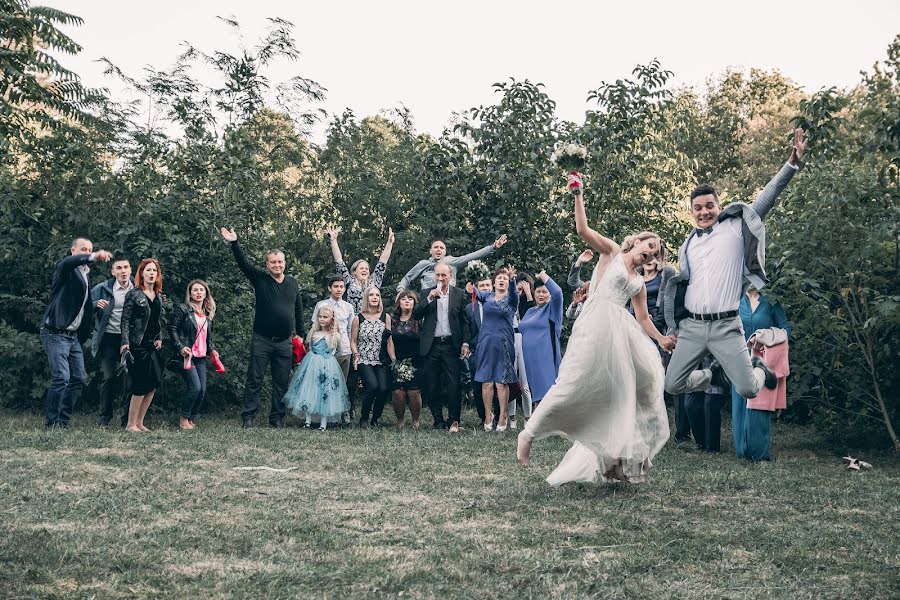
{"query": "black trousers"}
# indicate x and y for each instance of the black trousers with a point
(477, 398)
(442, 381)
(376, 390)
(704, 411)
(112, 385)
(263, 352)
(682, 423)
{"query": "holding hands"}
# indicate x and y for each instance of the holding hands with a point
(667, 342)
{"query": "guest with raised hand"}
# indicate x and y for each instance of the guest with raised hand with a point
(191, 330)
(444, 342)
(359, 277)
(318, 388)
(577, 303)
(496, 344)
(142, 338)
(108, 299)
(423, 271)
(541, 329)
(574, 279)
(370, 341)
(65, 322)
(407, 367)
(278, 315)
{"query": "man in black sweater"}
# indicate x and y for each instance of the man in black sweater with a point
(64, 326)
(279, 312)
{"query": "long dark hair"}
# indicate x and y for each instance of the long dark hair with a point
(398, 312)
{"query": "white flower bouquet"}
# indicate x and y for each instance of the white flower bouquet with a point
(569, 157)
(477, 271)
(404, 371)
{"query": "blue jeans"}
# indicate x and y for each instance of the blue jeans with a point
(195, 389)
(66, 375)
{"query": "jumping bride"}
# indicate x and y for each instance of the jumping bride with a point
(608, 397)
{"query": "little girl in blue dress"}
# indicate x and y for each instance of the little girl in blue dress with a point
(318, 386)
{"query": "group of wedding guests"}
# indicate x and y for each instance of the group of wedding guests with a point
(499, 336)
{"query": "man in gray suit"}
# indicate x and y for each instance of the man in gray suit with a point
(423, 271)
(720, 259)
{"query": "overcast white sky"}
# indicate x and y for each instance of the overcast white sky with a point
(441, 57)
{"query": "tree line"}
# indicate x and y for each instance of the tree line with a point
(158, 175)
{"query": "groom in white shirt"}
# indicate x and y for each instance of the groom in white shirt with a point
(721, 257)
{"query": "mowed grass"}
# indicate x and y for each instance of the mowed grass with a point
(90, 513)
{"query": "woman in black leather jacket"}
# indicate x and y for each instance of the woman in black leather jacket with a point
(191, 330)
(142, 337)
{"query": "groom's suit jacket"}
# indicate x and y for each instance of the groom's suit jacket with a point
(754, 234)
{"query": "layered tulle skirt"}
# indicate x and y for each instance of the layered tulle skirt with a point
(318, 388)
(608, 398)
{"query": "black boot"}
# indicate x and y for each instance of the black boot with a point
(771, 382)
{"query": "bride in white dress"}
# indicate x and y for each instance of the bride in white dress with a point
(608, 397)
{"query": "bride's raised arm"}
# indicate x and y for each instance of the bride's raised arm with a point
(592, 238)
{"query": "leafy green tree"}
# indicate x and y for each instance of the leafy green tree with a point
(638, 177)
(36, 91)
(838, 274)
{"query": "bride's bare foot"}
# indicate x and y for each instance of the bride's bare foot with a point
(142, 428)
(133, 428)
(523, 450)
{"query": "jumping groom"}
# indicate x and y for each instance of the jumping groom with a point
(722, 257)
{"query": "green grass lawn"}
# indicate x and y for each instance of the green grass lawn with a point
(90, 513)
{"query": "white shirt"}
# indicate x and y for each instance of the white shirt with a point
(343, 315)
(716, 261)
(442, 328)
(114, 325)
(83, 269)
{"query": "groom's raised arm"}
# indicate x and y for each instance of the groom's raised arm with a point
(768, 197)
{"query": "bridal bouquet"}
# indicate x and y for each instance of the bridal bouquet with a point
(477, 271)
(570, 158)
(404, 370)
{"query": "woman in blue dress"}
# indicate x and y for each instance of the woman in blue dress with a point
(541, 329)
(318, 386)
(753, 428)
(496, 344)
